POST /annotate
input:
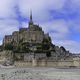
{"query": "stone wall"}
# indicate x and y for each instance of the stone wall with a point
(75, 62)
(23, 63)
(45, 63)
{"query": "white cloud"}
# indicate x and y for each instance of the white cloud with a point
(57, 29)
(6, 8)
(40, 8)
(7, 27)
(24, 24)
(72, 46)
(57, 25)
(38, 5)
(55, 4)
(76, 3)
(0, 42)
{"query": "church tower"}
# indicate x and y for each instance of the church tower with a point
(31, 21)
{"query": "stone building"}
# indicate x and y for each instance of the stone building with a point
(7, 39)
(32, 34)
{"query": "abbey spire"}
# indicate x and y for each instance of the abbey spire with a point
(31, 16)
(31, 21)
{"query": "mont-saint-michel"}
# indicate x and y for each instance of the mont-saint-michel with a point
(32, 47)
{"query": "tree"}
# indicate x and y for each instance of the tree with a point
(63, 48)
(1, 47)
(48, 54)
(45, 44)
(8, 46)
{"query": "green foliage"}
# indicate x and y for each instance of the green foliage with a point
(8, 46)
(39, 46)
(21, 41)
(25, 49)
(45, 40)
(63, 48)
(1, 47)
(45, 44)
(48, 54)
(53, 46)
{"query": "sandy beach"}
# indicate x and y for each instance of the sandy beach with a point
(39, 73)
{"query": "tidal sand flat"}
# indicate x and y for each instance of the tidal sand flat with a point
(39, 74)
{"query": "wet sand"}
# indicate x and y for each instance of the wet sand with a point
(39, 73)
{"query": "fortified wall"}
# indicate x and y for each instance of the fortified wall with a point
(46, 63)
(68, 63)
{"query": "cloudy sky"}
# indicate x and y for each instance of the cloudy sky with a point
(59, 18)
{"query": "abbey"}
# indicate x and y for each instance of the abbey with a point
(32, 34)
(31, 46)
(33, 37)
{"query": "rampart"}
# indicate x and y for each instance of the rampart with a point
(45, 63)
